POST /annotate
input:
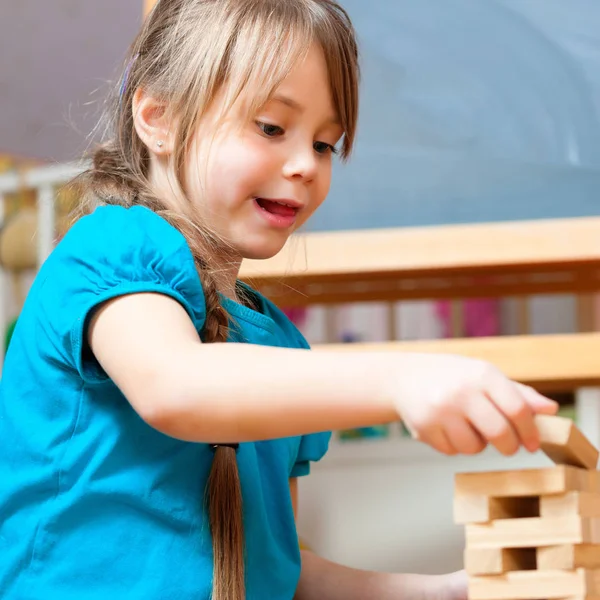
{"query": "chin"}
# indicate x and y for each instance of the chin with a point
(262, 250)
(260, 253)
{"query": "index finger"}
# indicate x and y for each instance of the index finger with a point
(513, 402)
(538, 402)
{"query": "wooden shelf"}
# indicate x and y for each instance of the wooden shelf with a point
(454, 261)
(551, 363)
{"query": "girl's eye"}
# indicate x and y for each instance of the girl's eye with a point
(323, 148)
(270, 130)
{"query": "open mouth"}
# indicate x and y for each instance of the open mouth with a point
(277, 213)
(277, 208)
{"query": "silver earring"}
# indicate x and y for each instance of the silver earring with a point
(160, 143)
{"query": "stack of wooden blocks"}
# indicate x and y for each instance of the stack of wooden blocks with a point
(534, 534)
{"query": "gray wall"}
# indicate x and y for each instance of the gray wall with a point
(56, 57)
(473, 110)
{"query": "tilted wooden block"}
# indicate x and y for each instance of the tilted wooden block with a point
(532, 585)
(568, 557)
(527, 482)
(494, 561)
(564, 443)
(533, 532)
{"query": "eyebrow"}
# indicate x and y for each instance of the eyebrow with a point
(291, 103)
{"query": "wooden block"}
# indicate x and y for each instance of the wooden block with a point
(532, 585)
(533, 532)
(482, 509)
(564, 443)
(592, 481)
(494, 561)
(471, 509)
(568, 557)
(584, 504)
(526, 482)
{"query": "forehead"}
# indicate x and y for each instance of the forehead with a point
(305, 88)
(307, 85)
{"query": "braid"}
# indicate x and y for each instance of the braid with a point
(216, 326)
(217, 321)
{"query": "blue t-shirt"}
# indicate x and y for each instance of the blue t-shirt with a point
(95, 503)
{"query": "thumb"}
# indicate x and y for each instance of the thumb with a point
(538, 403)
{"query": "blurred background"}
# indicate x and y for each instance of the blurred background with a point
(472, 111)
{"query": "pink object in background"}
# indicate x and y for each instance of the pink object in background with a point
(296, 315)
(481, 317)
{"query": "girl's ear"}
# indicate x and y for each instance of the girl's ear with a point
(152, 123)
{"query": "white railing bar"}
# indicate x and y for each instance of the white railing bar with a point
(46, 223)
(3, 292)
(40, 176)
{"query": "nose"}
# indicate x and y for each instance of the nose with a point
(301, 164)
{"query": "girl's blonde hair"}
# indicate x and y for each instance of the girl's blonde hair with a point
(186, 53)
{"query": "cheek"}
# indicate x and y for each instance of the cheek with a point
(196, 172)
(240, 163)
(323, 185)
(257, 154)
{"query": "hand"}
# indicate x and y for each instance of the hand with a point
(451, 586)
(460, 405)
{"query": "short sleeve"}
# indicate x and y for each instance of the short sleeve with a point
(112, 252)
(312, 448)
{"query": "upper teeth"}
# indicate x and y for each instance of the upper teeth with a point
(283, 204)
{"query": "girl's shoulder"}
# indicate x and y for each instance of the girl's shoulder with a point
(114, 228)
(114, 248)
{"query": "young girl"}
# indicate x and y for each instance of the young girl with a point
(155, 412)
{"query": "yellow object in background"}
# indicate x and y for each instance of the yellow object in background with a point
(304, 545)
(18, 251)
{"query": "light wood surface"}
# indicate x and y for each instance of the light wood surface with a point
(450, 261)
(533, 532)
(584, 504)
(548, 362)
(568, 557)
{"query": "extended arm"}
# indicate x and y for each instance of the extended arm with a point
(228, 392)
(231, 392)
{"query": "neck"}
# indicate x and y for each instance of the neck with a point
(228, 267)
